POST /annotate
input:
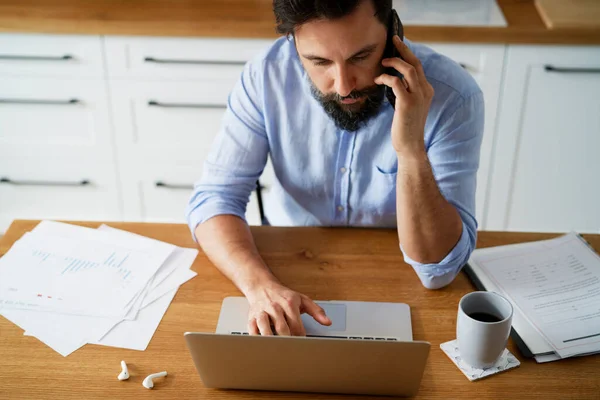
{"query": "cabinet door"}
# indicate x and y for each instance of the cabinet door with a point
(173, 120)
(546, 164)
(485, 64)
(60, 117)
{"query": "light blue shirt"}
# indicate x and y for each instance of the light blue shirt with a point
(329, 177)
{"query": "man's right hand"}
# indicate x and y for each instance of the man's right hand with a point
(281, 307)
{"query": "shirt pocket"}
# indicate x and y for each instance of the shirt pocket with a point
(382, 195)
(386, 175)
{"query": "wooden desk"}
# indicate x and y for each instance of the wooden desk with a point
(341, 264)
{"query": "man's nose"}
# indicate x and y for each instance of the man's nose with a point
(344, 82)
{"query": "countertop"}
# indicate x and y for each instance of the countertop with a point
(248, 19)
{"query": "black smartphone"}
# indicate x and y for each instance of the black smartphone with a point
(395, 28)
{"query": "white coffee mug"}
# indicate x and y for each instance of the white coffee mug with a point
(482, 327)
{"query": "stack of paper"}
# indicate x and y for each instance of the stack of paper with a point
(554, 287)
(68, 285)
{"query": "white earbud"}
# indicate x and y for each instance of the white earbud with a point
(124, 375)
(148, 383)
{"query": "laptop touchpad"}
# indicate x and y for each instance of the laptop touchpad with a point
(335, 312)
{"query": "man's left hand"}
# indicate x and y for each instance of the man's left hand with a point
(413, 98)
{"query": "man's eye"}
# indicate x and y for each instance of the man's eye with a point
(359, 58)
(321, 63)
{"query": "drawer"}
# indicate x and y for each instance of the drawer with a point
(74, 188)
(51, 55)
(176, 120)
(160, 192)
(40, 116)
(180, 58)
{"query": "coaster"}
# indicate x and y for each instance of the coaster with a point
(506, 361)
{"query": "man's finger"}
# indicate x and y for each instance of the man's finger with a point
(394, 82)
(409, 72)
(280, 323)
(264, 324)
(294, 321)
(252, 328)
(408, 56)
(312, 309)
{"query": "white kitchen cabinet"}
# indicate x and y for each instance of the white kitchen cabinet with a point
(546, 168)
(485, 63)
(118, 127)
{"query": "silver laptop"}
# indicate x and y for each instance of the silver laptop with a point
(367, 350)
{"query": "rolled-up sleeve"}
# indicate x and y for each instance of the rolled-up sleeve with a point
(454, 157)
(237, 157)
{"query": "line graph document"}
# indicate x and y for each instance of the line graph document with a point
(70, 275)
(557, 289)
(155, 248)
(65, 330)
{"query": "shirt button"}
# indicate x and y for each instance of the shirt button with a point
(340, 208)
(343, 170)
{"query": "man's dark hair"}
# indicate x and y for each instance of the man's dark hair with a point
(290, 14)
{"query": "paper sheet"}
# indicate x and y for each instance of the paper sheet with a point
(558, 290)
(534, 341)
(108, 235)
(168, 266)
(136, 335)
(62, 332)
(174, 272)
(177, 278)
(68, 333)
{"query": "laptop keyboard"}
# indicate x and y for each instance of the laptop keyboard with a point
(336, 337)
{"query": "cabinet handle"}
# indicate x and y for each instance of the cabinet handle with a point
(261, 209)
(153, 103)
(37, 101)
(66, 57)
(9, 181)
(551, 68)
(165, 185)
(162, 184)
(192, 62)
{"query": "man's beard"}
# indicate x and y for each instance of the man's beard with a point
(350, 117)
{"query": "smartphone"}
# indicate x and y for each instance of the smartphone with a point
(390, 51)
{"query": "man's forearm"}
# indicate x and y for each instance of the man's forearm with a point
(228, 243)
(428, 226)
